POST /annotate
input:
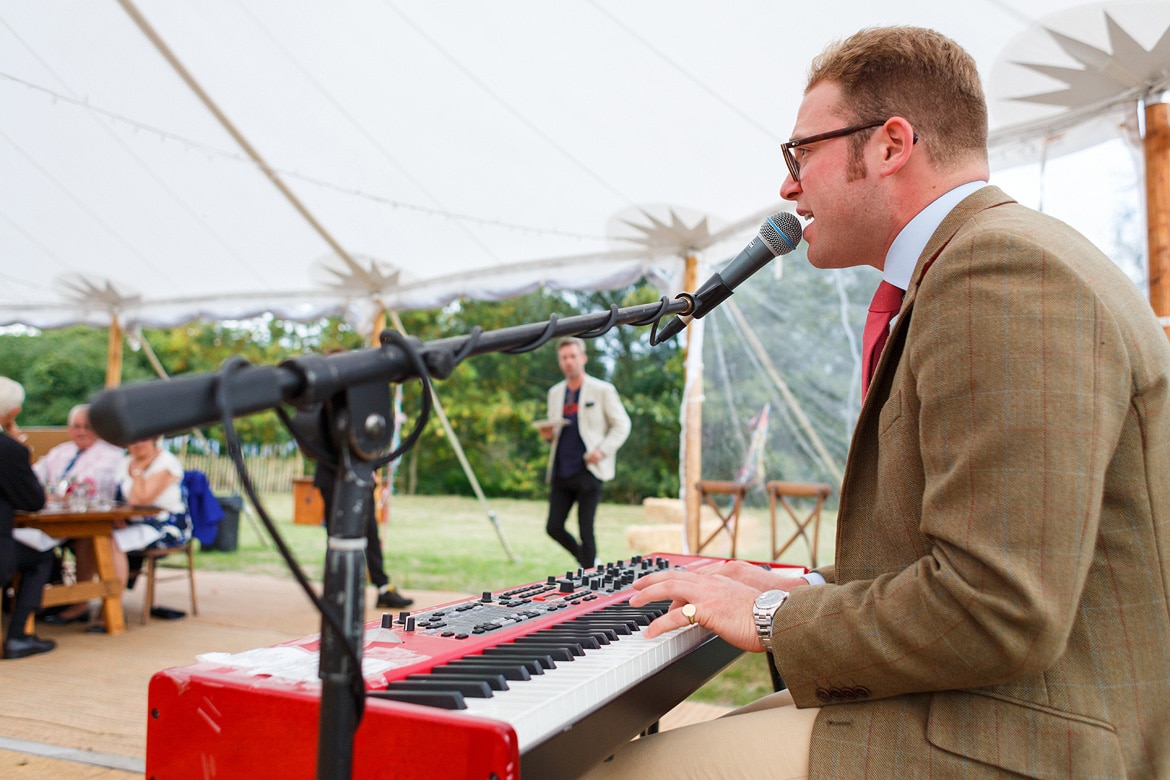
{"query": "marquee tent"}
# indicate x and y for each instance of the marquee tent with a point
(166, 161)
(427, 151)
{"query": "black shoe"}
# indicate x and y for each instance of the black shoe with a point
(392, 599)
(167, 613)
(59, 619)
(24, 646)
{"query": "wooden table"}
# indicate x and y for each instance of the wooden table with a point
(96, 524)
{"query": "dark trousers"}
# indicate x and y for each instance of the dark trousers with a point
(374, 565)
(35, 568)
(584, 489)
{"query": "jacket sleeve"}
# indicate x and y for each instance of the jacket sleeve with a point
(20, 486)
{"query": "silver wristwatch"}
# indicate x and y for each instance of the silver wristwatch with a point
(764, 610)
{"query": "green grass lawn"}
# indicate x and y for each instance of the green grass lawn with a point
(451, 544)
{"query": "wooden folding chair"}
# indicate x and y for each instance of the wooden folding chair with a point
(778, 493)
(728, 518)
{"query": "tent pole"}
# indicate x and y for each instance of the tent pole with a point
(692, 445)
(793, 404)
(381, 500)
(114, 354)
(455, 445)
(1156, 149)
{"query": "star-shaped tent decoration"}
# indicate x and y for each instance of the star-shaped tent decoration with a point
(675, 237)
(91, 293)
(1128, 71)
(369, 277)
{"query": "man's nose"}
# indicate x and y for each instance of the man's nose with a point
(789, 188)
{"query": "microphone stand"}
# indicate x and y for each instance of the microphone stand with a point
(354, 427)
(343, 413)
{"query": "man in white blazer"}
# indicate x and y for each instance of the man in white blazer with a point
(587, 426)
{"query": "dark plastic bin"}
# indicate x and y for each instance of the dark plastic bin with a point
(228, 536)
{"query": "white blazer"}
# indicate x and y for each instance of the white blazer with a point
(601, 420)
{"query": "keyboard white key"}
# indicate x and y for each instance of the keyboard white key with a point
(542, 706)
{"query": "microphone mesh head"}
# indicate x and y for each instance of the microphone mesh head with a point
(781, 232)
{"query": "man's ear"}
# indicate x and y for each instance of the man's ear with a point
(898, 141)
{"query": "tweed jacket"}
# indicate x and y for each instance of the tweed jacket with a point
(601, 420)
(1001, 574)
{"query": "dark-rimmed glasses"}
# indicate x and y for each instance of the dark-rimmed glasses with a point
(790, 159)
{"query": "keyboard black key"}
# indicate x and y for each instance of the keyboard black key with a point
(447, 700)
(471, 688)
(575, 648)
(547, 656)
(514, 669)
(495, 681)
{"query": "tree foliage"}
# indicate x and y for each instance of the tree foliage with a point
(490, 400)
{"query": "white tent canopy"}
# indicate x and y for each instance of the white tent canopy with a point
(448, 149)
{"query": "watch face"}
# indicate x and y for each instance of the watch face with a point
(771, 598)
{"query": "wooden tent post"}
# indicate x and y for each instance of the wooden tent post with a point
(114, 354)
(381, 497)
(1156, 148)
(692, 419)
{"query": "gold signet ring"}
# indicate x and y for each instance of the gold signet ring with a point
(689, 611)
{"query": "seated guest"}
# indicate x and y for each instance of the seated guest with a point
(83, 457)
(147, 476)
(150, 476)
(19, 489)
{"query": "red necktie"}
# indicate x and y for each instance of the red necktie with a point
(887, 300)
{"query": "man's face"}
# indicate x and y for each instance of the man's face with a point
(572, 361)
(835, 191)
(80, 432)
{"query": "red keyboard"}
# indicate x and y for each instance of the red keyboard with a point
(541, 680)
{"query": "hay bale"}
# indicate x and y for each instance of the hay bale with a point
(660, 511)
(663, 530)
(661, 537)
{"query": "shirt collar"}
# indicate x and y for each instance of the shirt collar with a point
(911, 241)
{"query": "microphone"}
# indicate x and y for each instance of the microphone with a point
(779, 235)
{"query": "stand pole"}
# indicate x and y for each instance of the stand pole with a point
(345, 572)
(357, 423)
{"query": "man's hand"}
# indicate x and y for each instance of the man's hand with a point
(721, 604)
(723, 595)
(594, 457)
(755, 575)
